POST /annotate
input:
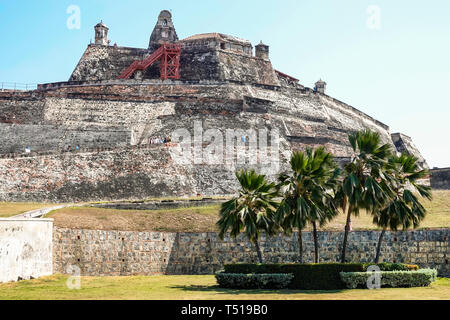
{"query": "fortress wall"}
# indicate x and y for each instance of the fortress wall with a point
(317, 119)
(82, 113)
(100, 114)
(305, 114)
(105, 62)
(404, 144)
(21, 107)
(199, 64)
(122, 253)
(130, 173)
(108, 62)
(242, 68)
(123, 174)
(112, 175)
(42, 138)
(440, 179)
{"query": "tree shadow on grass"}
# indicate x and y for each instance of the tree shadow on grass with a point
(218, 290)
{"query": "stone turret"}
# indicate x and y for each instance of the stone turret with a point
(321, 86)
(262, 51)
(164, 31)
(101, 34)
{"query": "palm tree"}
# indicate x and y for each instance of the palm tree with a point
(364, 185)
(404, 209)
(308, 194)
(252, 211)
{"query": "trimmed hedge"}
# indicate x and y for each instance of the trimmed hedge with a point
(254, 281)
(324, 276)
(391, 279)
(306, 276)
(387, 266)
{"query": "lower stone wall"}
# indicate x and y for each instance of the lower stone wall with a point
(440, 179)
(115, 253)
(25, 248)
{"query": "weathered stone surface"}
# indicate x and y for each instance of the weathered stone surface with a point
(105, 62)
(100, 115)
(148, 253)
(440, 178)
(43, 138)
(404, 144)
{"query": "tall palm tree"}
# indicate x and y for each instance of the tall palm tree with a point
(308, 194)
(252, 212)
(364, 185)
(404, 208)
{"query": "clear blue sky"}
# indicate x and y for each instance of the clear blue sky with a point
(398, 74)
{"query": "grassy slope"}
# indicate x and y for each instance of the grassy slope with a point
(203, 219)
(9, 209)
(194, 288)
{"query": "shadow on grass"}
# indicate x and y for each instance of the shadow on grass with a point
(218, 290)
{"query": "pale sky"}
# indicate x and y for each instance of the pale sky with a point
(390, 59)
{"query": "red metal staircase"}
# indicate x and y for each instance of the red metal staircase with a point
(168, 55)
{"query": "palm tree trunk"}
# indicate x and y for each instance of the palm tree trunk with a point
(377, 258)
(316, 243)
(258, 251)
(347, 230)
(300, 246)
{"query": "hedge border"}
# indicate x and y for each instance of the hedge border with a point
(323, 276)
(390, 279)
(254, 281)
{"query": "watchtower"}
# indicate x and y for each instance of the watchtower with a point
(101, 34)
(262, 51)
(321, 86)
(164, 31)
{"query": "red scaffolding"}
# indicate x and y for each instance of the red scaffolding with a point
(168, 55)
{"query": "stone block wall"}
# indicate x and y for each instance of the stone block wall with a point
(108, 62)
(22, 107)
(105, 62)
(42, 138)
(99, 114)
(440, 179)
(147, 253)
(404, 144)
(25, 248)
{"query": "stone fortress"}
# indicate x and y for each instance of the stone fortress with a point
(88, 138)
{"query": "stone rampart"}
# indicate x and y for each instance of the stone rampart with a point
(440, 179)
(43, 138)
(147, 253)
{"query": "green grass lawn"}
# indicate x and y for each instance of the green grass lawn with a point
(195, 288)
